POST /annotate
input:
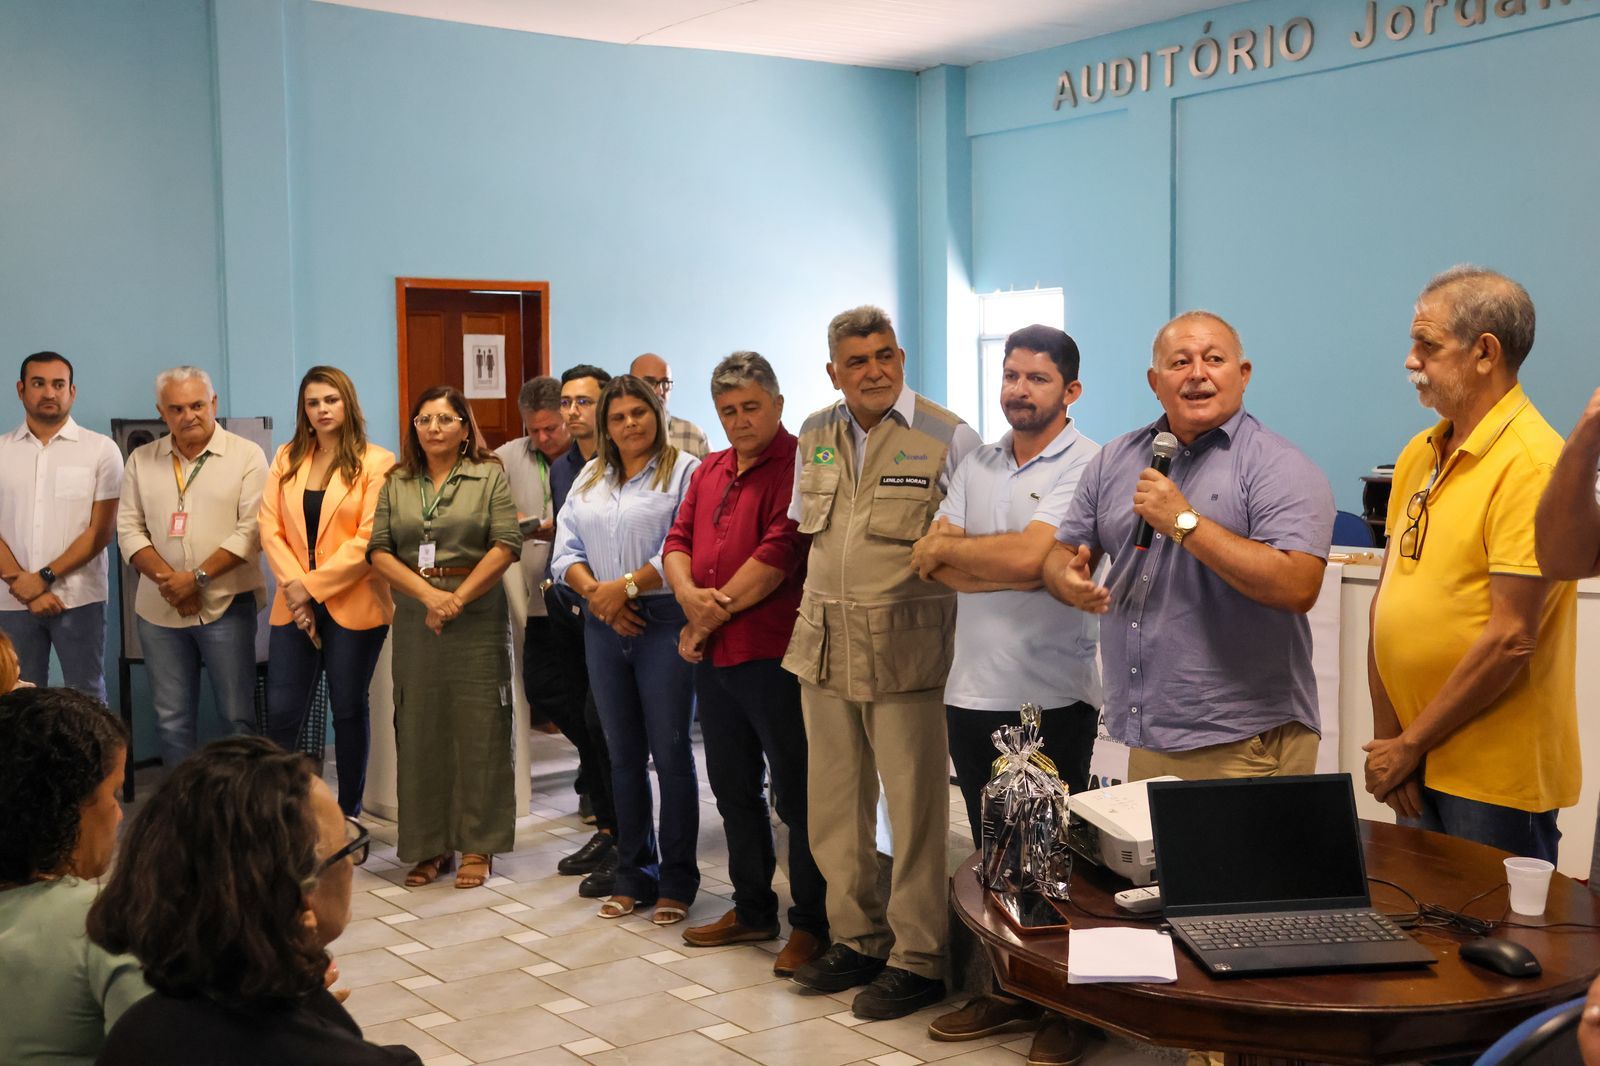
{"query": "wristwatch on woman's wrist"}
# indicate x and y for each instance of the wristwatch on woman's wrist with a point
(629, 587)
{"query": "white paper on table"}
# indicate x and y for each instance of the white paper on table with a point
(1098, 956)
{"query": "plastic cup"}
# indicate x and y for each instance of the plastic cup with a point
(1530, 884)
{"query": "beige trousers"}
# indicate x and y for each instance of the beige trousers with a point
(1290, 748)
(852, 743)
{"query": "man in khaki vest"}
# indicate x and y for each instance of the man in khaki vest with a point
(871, 647)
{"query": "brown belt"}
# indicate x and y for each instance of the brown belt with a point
(444, 571)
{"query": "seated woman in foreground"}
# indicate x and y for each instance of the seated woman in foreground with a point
(234, 879)
(61, 756)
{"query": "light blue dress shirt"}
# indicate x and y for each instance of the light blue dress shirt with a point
(615, 529)
(1016, 647)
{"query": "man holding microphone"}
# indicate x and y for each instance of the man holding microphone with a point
(1206, 647)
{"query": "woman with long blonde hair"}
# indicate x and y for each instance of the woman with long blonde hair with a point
(609, 537)
(331, 612)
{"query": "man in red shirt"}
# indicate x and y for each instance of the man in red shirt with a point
(736, 562)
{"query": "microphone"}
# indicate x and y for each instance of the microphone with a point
(1164, 447)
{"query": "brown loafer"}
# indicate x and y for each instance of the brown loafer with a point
(1059, 1042)
(727, 930)
(981, 1016)
(801, 949)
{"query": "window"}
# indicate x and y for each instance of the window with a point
(999, 315)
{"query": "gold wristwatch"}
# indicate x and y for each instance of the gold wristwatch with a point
(1184, 524)
(629, 587)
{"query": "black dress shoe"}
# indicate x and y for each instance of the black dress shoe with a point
(588, 857)
(602, 879)
(837, 969)
(895, 993)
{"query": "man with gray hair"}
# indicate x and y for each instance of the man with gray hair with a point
(736, 562)
(871, 647)
(682, 434)
(188, 525)
(1473, 647)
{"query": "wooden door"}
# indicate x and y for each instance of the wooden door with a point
(436, 318)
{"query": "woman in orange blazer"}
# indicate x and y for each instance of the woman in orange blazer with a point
(332, 610)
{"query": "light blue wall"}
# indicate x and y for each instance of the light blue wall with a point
(108, 195)
(1308, 204)
(236, 183)
(687, 203)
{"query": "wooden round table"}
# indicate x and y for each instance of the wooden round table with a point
(1452, 1008)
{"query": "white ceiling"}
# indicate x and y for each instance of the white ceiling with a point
(898, 34)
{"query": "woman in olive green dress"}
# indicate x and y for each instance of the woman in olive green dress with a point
(444, 532)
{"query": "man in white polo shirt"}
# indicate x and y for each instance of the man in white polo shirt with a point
(188, 524)
(1016, 644)
(59, 485)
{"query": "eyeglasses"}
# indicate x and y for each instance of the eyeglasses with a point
(442, 421)
(1416, 510)
(659, 384)
(576, 401)
(358, 843)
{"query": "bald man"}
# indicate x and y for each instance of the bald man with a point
(682, 434)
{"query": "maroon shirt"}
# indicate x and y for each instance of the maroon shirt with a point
(725, 519)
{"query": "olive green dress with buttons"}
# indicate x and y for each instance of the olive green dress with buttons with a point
(452, 692)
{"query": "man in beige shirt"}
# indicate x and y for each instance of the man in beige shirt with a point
(188, 525)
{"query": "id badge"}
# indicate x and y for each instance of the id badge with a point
(426, 552)
(179, 525)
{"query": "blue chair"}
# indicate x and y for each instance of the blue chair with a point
(1351, 529)
(1546, 1039)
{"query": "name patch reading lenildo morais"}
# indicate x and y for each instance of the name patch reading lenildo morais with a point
(903, 481)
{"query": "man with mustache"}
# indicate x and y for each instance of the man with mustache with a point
(871, 647)
(1014, 643)
(558, 667)
(1205, 642)
(59, 485)
(188, 524)
(1473, 649)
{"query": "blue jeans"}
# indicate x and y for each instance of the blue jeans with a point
(643, 691)
(751, 721)
(1519, 832)
(79, 638)
(348, 656)
(173, 656)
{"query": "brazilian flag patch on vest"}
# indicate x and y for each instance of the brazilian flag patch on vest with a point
(822, 456)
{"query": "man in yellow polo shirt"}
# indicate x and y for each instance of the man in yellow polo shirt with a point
(1473, 651)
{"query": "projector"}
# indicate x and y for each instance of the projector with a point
(1111, 827)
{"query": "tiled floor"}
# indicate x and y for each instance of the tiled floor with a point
(522, 972)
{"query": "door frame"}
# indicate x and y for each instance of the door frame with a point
(402, 286)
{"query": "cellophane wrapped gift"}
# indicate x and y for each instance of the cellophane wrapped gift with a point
(1025, 816)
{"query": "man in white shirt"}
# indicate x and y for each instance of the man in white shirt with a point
(1015, 643)
(188, 524)
(682, 434)
(59, 485)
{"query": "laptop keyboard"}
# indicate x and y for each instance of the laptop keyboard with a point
(1289, 930)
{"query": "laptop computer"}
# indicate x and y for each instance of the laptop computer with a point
(1265, 875)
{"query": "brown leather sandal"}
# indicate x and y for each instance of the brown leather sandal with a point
(475, 870)
(427, 871)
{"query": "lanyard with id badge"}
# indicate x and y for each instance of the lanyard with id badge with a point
(178, 524)
(427, 551)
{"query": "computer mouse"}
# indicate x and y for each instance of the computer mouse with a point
(1501, 956)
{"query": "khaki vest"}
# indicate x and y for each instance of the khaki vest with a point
(867, 625)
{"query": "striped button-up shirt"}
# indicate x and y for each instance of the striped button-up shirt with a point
(615, 529)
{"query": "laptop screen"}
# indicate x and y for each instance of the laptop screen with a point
(1257, 844)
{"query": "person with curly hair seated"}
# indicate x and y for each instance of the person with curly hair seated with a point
(61, 760)
(234, 879)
